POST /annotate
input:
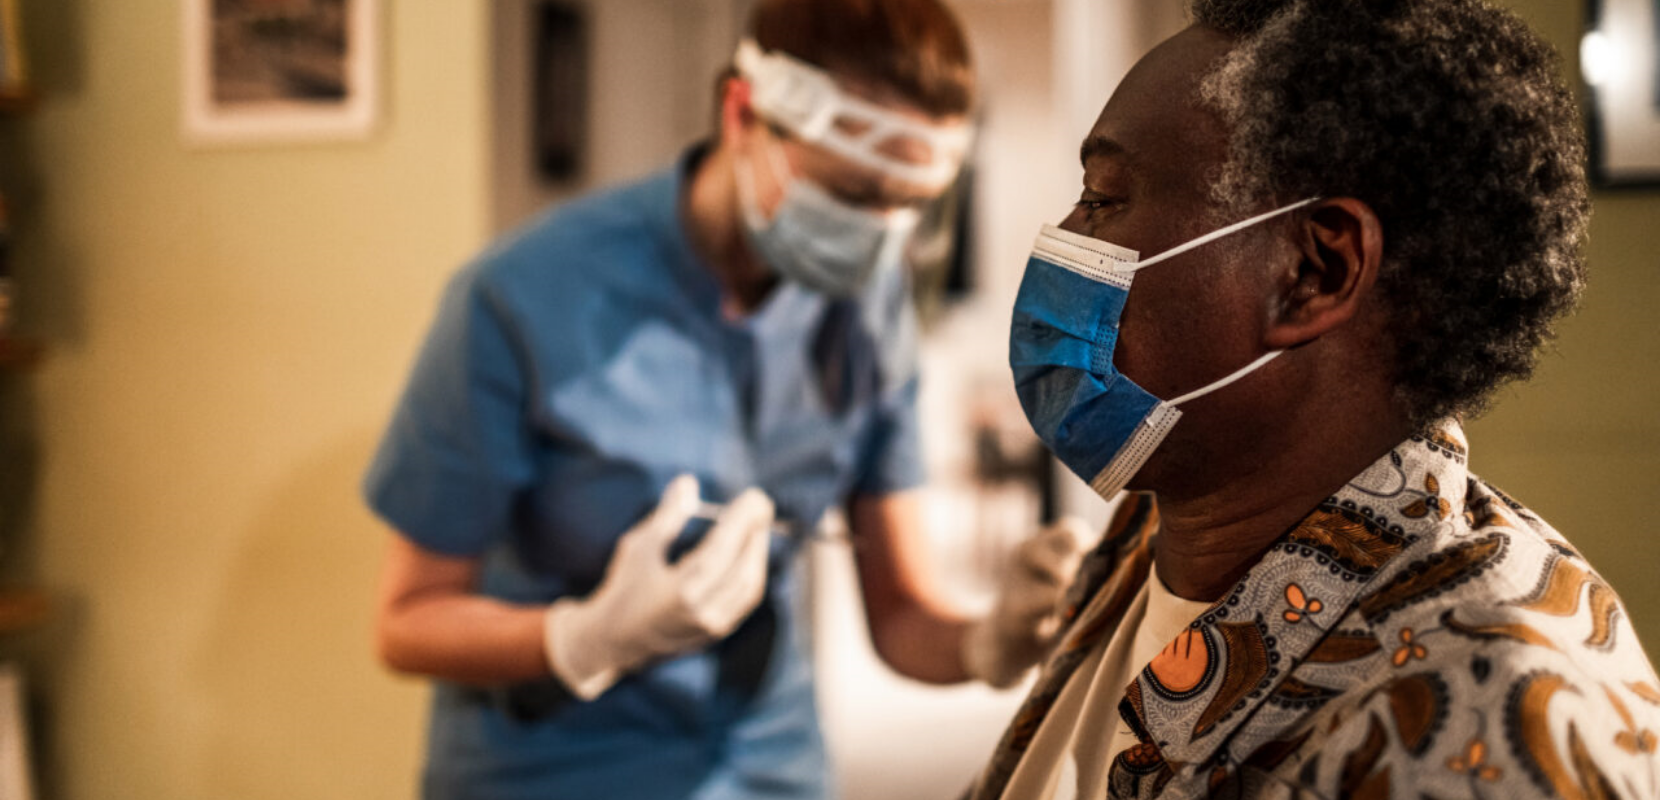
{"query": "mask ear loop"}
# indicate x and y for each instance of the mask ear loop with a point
(749, 200)
(1246, 370)
(780, 163)
(1204, 240)
(1213, 236)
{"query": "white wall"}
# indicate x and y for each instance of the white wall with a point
(650, 95)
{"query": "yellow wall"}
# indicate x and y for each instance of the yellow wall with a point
(227, 329)
(1580, 444)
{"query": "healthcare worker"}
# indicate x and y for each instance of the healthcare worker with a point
(628, 416)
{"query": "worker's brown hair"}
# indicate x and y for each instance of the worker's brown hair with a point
(913, 47)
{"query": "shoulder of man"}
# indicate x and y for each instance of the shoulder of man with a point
(1503, 723)
(1498, 665)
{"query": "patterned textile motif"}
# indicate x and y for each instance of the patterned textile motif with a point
(1418, 634)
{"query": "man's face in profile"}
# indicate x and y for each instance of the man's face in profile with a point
(1148, 165)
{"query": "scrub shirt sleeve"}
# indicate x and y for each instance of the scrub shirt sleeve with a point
(458, 449)
(892, 458)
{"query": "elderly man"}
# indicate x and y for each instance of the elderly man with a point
(1346, 223)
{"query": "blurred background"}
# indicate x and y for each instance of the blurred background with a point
(207, 332)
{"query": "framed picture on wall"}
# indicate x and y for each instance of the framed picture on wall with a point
(1620, 61)
(258, 71)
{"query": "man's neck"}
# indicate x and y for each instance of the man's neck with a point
(1207, 542)
(710, 214)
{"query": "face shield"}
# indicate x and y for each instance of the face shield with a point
(805, 101)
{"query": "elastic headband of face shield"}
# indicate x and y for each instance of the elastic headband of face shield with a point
(806, 101)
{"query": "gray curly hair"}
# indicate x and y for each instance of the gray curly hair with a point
(1448, 118)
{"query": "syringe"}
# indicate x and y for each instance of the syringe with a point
(781, 527)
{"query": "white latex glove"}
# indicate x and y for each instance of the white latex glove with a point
(1018, 632)
(647, 608)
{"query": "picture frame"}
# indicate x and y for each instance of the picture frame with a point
(258, 71)
(1620, 66)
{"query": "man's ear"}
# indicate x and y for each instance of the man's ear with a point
(1340, 251)
(737, 116)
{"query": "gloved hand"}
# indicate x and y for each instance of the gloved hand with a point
(1001, 646)
(647, 608)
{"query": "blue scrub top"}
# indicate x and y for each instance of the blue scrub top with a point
(573, 370)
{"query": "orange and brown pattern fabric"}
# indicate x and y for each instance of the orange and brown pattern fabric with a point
(1420, 634)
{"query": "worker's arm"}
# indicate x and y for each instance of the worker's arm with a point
(913, 626)
(431, 621)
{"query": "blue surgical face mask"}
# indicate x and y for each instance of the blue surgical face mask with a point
(1095, 419)
(817, 240)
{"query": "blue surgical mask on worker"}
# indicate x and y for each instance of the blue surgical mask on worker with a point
(815, 239)
(1066, 321)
